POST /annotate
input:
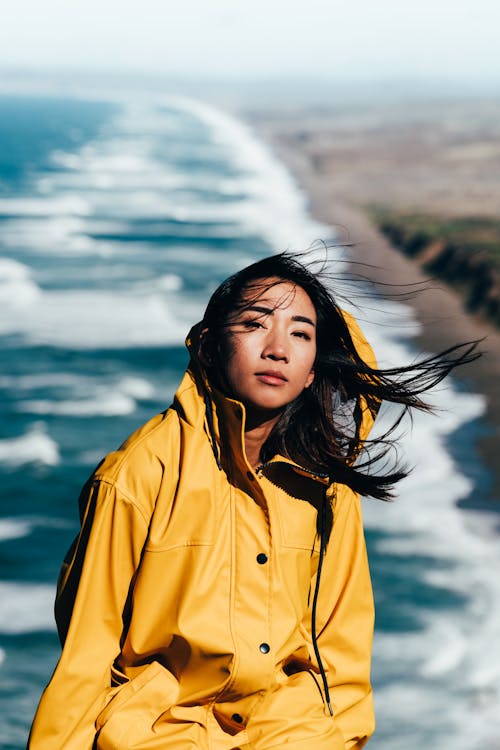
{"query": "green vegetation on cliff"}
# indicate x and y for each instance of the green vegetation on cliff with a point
(463, 251)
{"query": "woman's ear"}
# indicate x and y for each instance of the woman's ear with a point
(309, 379)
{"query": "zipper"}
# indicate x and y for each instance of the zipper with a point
(313, 474)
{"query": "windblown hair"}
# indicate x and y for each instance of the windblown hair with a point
(320, 429)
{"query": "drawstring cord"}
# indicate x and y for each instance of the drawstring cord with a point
(322, 550)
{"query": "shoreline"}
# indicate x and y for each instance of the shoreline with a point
(438, 309)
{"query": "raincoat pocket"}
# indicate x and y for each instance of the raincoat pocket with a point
(293, 716)
(297, 520)
(127, 720)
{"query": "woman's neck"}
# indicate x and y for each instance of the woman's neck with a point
(257, 430)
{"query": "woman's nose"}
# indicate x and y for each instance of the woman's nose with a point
(275, 348)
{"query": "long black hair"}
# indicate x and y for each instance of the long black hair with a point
(321, 429)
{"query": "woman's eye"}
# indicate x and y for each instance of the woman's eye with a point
(302, 335)
(251, 324)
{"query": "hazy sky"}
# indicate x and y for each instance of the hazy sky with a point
(454, 39)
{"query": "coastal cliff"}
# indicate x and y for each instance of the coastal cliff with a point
(464, 252)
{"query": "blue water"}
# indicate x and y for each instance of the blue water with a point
(118, 217)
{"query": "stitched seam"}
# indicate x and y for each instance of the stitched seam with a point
(126, 497)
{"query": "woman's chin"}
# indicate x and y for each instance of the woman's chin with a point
(262, 412)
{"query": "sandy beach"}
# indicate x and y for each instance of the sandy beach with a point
(431, 157)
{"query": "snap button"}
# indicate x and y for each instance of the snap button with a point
(265, 648)
(238, 718)
(261, 558)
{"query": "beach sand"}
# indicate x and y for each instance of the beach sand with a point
(429, 157)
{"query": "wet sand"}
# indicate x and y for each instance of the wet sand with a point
(435, 158)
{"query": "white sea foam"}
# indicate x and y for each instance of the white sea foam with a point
(26, 608)
(118, 165)
(138, 388)
(112, 156)
(54, 235)
(34, 447)
(19, 527)
(44, 206)
(45, 380)
(274, 206)
(96, 319)
(448, 649)
(17, 289)
(168, 282)
(111, 405)
(14, 528)
(91, 397)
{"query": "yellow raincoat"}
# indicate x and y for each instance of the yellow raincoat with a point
(184, 605)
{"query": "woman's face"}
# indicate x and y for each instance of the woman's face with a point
(271, 346)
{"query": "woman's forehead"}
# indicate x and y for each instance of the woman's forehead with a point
(276, 292)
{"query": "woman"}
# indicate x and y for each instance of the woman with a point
(218, 595)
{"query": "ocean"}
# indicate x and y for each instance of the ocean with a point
(119, 214)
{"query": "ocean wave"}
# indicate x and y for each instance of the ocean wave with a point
(97, 319)
(450, 649)
(96, 182)
(26, 608)
(19, 527)
(14, 528)
(116, 165)
(34, 447)
(17, 288)
(112, 405)
(275, 206)
(44, 206)
(138, 388)
(45, 380)
(77, 395)
(116, 398)
(52, 236)
(61, 219)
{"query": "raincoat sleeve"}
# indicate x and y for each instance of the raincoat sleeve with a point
(92, 595)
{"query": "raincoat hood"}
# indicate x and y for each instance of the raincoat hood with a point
(225, 416)
(225, 419)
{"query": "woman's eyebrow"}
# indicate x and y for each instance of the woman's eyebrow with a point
(257, 308)
(303, 319)
(270, 311)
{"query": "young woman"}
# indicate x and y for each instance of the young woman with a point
(218, 594)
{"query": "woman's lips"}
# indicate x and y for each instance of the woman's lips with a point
(272, 377)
